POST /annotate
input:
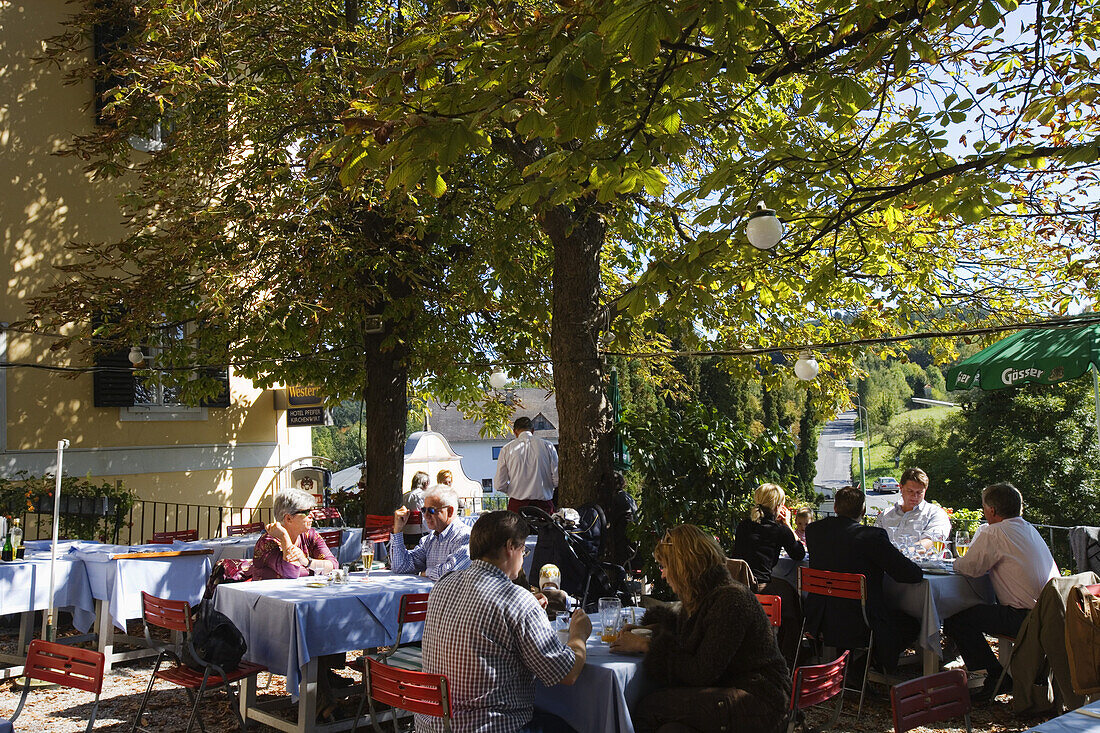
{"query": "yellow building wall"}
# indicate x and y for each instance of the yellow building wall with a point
(46, 201)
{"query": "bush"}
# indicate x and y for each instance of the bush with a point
(25, 495)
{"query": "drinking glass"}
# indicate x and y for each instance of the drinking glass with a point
(367, 557)
(962, 542)
(939, 542)
(611, 618)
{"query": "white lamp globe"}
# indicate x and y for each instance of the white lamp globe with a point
(763, 228)
(135, 356)
(806, 367)
(498, 379)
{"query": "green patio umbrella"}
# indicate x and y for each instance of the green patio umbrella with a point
(1049, 354)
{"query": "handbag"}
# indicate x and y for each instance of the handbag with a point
(216, 640)
(1083, 639)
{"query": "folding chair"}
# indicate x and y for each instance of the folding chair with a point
(63, 665)
(377, 527)
(849, 586)
(930, 699)
(814, 685)
(331, 537)
(235, 530)
(413, 609)
(773, 608)
(402, 689)
(167, 538)
(176, 616)
(327, 514)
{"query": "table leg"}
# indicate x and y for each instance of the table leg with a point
(931, 661)
(247, 695)
(307, 697)
(105, 634)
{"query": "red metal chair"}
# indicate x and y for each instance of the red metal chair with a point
(327, 514)
(850, 586)
(176, 616)
(814, 685)
(413, 609)
(63, 665)
(930, 699)
(236, 530)
(167, 538)
(402, 689)
(331, 537)
(377, 527)
(773, 608)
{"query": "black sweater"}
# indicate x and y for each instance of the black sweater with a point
(758, 544)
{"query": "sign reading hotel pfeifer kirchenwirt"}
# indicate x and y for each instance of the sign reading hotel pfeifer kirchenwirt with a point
(304, 407)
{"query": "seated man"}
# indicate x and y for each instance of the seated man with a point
(1019, 564)
(446, 546)
(492, 640)
(913, 515)
(842, 544)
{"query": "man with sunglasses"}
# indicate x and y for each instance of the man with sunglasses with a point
(446, 546)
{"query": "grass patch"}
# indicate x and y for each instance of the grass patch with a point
(879, 457)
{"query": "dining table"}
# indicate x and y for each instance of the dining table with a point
(290, 624)
(242, 547)
(601, 699)
(1085, 719)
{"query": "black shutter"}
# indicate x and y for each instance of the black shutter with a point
(222, 399)
(109, 36)
(113, 380)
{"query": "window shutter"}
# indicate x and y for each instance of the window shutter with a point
(109, 36)
(113, 380)
(222, 399)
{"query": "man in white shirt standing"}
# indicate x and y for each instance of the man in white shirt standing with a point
(913, 515)
(1019, 564)
(527, 469)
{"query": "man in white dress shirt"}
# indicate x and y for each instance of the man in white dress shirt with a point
(527, 469)
(1019, 563)
(913, 515)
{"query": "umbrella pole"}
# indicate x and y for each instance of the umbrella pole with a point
(61, 446)
(1096, 397)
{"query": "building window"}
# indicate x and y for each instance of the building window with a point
(539, 422)
(496, 451)
(487, 485)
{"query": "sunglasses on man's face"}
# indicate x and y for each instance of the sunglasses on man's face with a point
(432, 511)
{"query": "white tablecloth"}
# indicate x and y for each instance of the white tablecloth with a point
(25, 585)
(1072, 722)
(244, 546)
(935, 598)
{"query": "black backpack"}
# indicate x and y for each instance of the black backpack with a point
(216, 639)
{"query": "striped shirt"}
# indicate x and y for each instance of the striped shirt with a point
(437, 554)
(491, 639)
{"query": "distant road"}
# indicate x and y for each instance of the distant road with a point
(834, 465)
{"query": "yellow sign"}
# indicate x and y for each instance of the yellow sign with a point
(303, 396)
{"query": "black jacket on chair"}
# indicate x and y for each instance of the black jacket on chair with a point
(844, 545)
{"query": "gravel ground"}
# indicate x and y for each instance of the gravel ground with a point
(59, 710)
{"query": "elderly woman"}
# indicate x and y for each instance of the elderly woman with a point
(715, 656)
(291, 547)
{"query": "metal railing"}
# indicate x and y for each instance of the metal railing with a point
(147, 517)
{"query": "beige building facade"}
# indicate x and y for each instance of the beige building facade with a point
(213, 455)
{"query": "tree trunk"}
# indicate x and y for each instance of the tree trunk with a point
(584, 413)
(385, 405)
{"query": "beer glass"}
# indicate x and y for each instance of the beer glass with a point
(368, 558)
(611, 618)
(962, 542)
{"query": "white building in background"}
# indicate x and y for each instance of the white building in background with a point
(478, 453)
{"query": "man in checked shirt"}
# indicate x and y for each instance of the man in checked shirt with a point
(491, 638)
(444, 549)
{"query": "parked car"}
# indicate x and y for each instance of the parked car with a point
(886, 485)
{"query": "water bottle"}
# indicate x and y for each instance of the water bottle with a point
(16, 536)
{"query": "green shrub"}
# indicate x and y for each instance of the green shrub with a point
(33, 497)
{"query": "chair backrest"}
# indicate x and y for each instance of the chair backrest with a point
(930, 699)
(167, 538)
(815, 684)
(377, 527)
(852, 586)
(416, 517)
(741, 572)
(414, 608)
(166, 614)
(773, 607)
(69, 666)
(331, 537)
(417, 692)
(326, 514)
(235, 530)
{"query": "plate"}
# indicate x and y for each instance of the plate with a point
(316, 584)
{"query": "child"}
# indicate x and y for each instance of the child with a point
(801, 518)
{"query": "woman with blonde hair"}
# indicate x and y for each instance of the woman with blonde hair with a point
(758, 542)
(714, 656)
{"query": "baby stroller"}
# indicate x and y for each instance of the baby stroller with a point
(577, 549)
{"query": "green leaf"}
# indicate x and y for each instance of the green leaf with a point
(438, 187)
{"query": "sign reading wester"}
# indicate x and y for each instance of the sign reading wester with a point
(304, 407)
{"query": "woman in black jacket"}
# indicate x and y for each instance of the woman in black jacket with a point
(714, 655)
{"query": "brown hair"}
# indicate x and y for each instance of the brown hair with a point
(849, 502)
(916, 475)
(493, 531)
(444, 477)
(686, 552)
(1003, 498)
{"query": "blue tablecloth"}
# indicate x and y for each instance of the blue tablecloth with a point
(119, 583)
(935, 598)
(25, 585)
(1072, 722)
(601, 698)
(287, 623)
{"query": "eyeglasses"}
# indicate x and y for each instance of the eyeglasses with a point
(432, 511)
(304, 512)
(526, 552)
